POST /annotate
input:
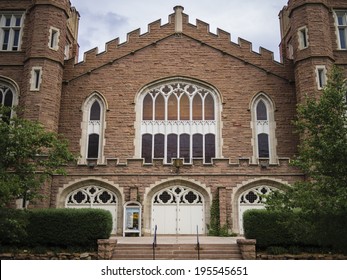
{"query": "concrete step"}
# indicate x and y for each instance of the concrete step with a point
(176, 252)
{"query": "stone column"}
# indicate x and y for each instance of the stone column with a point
(106, 248)
(178, 19)
(222, 206)
(247, 248)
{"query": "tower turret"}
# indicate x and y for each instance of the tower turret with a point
(50, 38)
(309, 38)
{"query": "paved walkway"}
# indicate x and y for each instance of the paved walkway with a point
(173, 239)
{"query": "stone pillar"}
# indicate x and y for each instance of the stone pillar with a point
(247, 248)
(178, 19)
(222, 206)
(106, 248)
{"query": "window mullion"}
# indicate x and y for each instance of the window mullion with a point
(191, 128)
(165, 126)
(152, 149)
(10, 39)
(154, 100)
(178, 144)
(203, 144)
(203, 107)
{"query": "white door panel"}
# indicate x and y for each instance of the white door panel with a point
(178, 210)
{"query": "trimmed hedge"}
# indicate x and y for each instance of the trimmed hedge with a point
(66, 227)
(288, 229)
(13, 225)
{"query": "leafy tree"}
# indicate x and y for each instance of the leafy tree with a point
(29, 155)
(322, 124)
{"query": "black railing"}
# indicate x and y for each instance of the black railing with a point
(154, 241)
(197, 241)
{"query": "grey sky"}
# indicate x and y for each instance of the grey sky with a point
(254, 20)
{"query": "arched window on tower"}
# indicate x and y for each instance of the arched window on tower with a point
(263, 125)
(92, 141)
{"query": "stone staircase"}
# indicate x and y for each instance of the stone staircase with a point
(177, 252)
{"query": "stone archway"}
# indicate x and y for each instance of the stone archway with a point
(96, 193)
(178, 210)
(95, 197)
(252, 199)
(176, 206)
(249, 195)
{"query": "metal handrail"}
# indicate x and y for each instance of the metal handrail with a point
(197, 241)
(154, 241)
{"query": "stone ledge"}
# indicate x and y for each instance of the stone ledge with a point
(48, 256)
(303, 256)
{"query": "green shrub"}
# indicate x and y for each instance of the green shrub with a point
(294, 250)
(13, 225)
(331, 231)
(275, 250)
(268, 228)
(296, 230)
(68, 227)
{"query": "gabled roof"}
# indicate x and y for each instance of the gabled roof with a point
(178, 25)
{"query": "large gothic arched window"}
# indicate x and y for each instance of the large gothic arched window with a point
(180, 119)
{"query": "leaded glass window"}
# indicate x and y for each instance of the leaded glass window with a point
(263, 129)
(179, 120)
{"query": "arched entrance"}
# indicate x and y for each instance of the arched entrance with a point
(178, 210)
(252, 199)
(93, 196)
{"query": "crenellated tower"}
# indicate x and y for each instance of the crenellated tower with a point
(310, 39)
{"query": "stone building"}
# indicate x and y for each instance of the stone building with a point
(172, 119)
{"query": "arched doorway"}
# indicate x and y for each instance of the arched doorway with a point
(178, 210)
(93, 196)
(252, 199)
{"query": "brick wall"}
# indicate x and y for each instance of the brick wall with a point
(118, 74)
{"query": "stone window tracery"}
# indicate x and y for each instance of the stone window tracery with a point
(179, 195)
(255, 195)
(179, 120)
(91, 195)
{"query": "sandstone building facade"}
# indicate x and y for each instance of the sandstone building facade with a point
(172, 119)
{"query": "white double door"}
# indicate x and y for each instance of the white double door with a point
(178, 210)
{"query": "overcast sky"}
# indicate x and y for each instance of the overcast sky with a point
(254, 20)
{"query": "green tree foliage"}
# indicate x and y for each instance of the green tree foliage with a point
(322, 124)
(29, 155)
